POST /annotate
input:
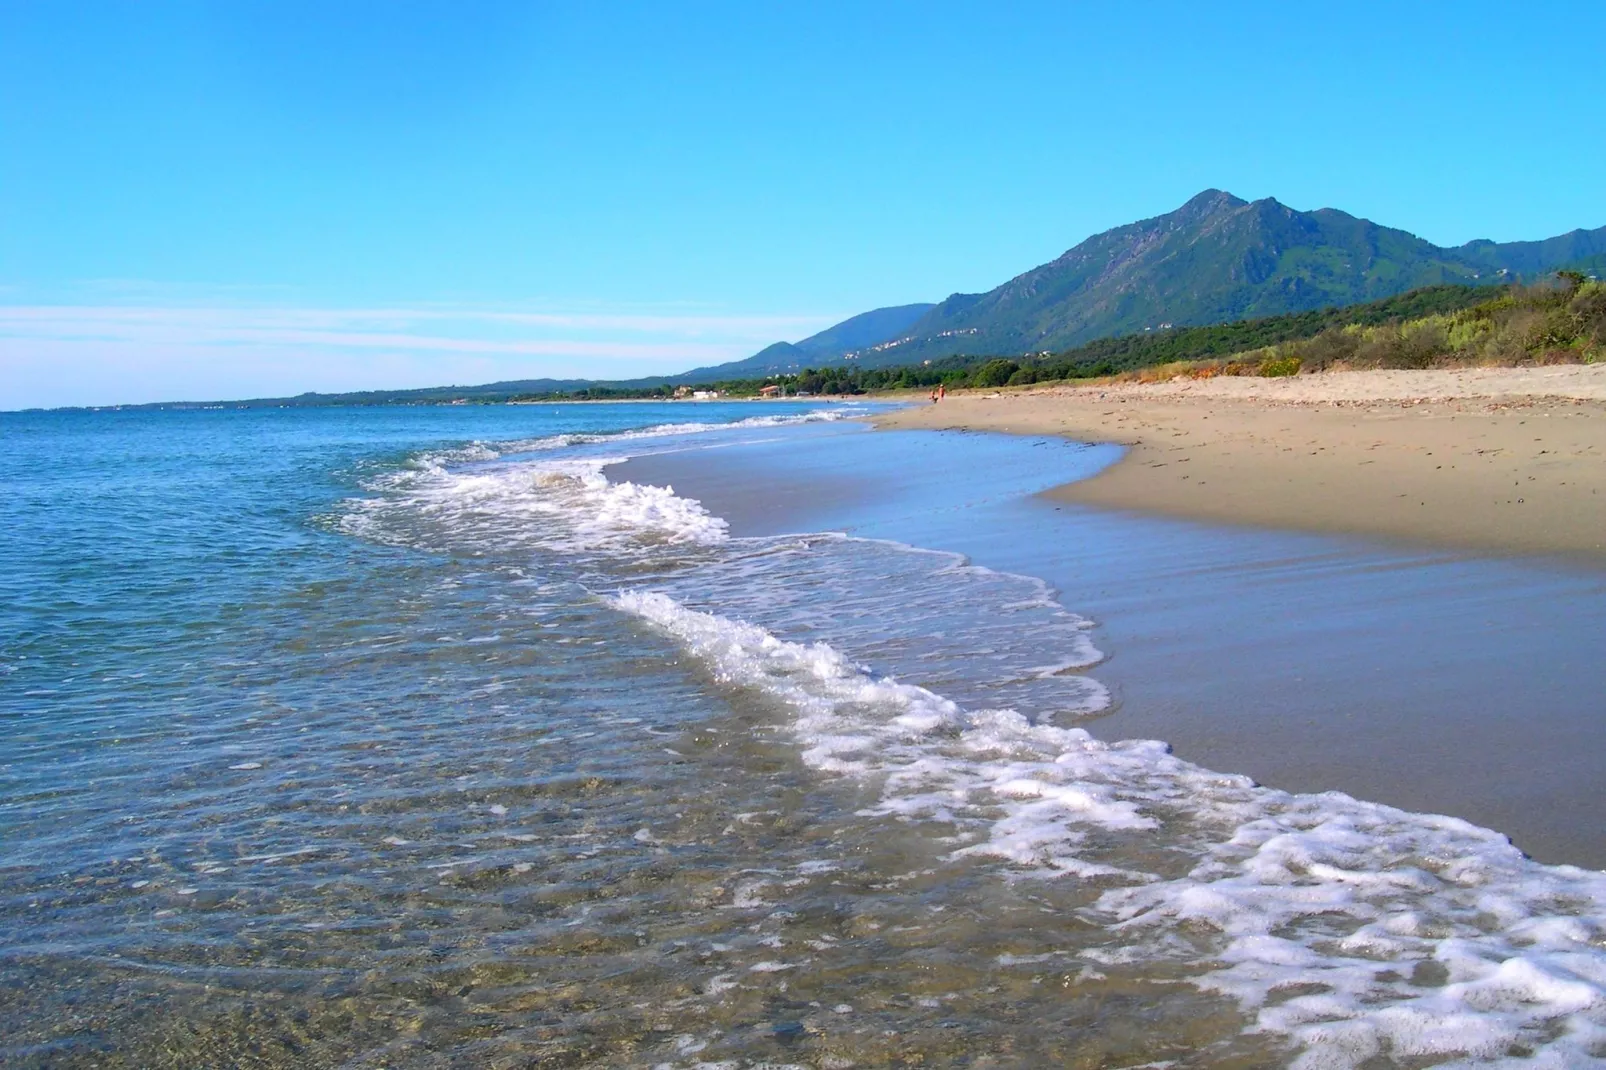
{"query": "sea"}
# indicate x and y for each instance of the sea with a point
(419, 737)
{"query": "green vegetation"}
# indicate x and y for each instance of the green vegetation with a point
(1560, 322)
(995, 373)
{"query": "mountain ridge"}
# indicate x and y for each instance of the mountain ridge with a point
(856, 332)
(1216, 259)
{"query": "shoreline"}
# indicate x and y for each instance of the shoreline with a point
(1436, 682)
(1498, 460)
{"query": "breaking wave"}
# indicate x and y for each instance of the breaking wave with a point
(1356, 930)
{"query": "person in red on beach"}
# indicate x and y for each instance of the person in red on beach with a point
(942, 391)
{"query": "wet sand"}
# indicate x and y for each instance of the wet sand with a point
(1436, 681)
(1500, 460)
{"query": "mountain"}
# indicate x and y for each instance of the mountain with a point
(863, 331)
(1217, 258)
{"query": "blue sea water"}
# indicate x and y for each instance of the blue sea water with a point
(411, 737)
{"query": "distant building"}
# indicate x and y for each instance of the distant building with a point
(771, 391)
(704, 395)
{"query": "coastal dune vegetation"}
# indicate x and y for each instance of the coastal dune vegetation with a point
(1563, 323)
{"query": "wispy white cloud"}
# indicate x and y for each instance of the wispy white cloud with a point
(62, 354)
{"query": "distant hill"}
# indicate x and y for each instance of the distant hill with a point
(863, 331)
(866, 329)
(1214, 260)
(1575, 249)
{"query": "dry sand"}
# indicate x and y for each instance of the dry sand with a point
(1492, 459)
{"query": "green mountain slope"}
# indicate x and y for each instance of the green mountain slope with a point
(1578, 247)
(866, 329)
(863, 331)
(1215, 259)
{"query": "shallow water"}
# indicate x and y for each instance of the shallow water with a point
(410, 738)
(1432, 681)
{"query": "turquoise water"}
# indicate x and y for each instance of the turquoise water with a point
(409, 737)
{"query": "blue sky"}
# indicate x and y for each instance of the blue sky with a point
(229, 199)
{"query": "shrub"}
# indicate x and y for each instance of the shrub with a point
(994, 373)
(1159, 373)
(1022, 377)
(1556, 329)
(1491, 309)
(1503, 346)
(1466, 332)
(1425, 342)
(1336, 345)
(1413, 346)
(1589, 305)
(1278, 367)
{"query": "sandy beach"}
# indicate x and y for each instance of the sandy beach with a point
(1486, 459)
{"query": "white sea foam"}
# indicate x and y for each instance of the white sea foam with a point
(562, 505)
(490, 451)
(980, 637)
(459, 496)
(1356, 930)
